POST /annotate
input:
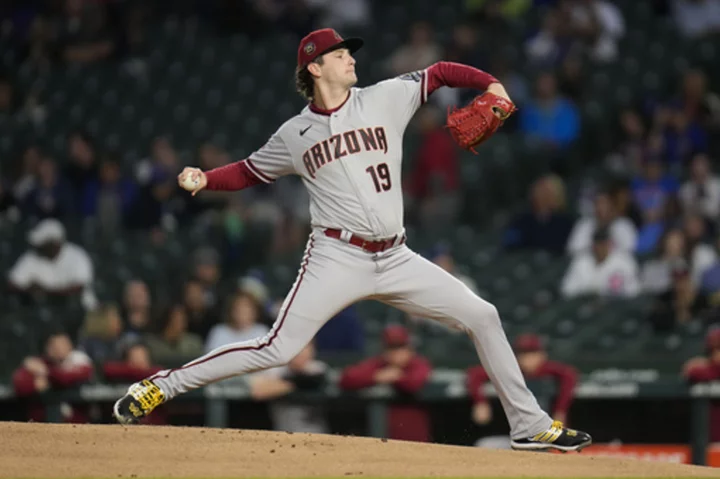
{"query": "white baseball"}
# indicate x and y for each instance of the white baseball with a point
(191, 182)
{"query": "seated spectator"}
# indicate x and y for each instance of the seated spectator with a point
(548, 118)
(172, 344)
(82, 167)
(407, 373)
(53, 267)
(706, 369)
(420, 52)
(600, 25)
(153, 203)
(243, 322)
(132, 367)
(163, 162)
(26, 178)
(535, 365)
(206, 270)
(201, 318)
(61, 367)
(697, 18)
(606, 271)
(626, 160)
(544, 225)
(50, 197)
(9, 101)
(622, 199)
(435, 179)
(622, 231)
(572, 79)
(675, 137)
(701, 255)
(651, 193)
(656, 274)
(136, 309)
(109, 197)
(682, 303)
(550, 44)
(101, 332)
(303, 373)
(344, 333)
(701, 193)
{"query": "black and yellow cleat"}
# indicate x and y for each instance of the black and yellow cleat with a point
(557, 437)
(139, 401)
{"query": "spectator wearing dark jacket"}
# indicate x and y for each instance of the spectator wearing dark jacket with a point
(407, 373)
(544, 225)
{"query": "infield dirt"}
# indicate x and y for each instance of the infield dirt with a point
(85, 451)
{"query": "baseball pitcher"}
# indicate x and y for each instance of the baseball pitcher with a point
(347, 147)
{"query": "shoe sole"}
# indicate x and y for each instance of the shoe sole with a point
(119, 417)
(538, 446)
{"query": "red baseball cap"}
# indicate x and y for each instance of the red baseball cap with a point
(396, 336)
(527, 343)
(323, 41)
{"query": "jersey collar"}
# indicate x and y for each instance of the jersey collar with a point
(321, 111)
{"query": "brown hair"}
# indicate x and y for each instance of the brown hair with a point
(304, 81)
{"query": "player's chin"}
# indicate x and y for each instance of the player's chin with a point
(352, 79)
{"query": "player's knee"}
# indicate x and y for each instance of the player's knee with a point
(284, 356)
(485, 314)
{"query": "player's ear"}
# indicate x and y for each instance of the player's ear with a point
(314, 69)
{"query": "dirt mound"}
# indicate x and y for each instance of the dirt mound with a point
(49, 450)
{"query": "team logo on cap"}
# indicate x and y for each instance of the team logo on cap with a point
(309, 48)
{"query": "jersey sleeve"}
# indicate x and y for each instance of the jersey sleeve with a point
(405, 94)
(271, 161)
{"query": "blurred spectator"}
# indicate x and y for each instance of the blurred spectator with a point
(442, 256)
(706, 369)
(701, 193)
(50, 197)
(622, 199)
(341, 14)
(206, 269)
(82, 167)
(651, 192)
(419, 52)
(8, 207)
(494, 10)
(8, 97)
(550, 119)
(201, 318)
(303, 373)
(172, 344)
(407, 373)
(680, 304)
(515, 84)
(435, 179)
(702, 255)
(134, 366)
(27, 178)
(626, 159)
(544, 225)
(163, 162)
(209, 157)
(86, 35)
(344, 333)
(599, 24)
(622, 231)
(535, 365)
(53, 266)
(243, 322)
(606, 271)
(463, 48)
(697, 18)
(109, 197)
(657, 273)
(61, 367)
(692, 99)
(551, 43)
(675, 138)
(572, 81)
(101, 332)
(152, 206)
(136, 309)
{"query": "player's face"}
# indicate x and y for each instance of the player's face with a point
(338, 68)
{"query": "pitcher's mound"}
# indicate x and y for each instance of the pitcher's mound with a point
(83, 451)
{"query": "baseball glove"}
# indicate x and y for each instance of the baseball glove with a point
(475, 123)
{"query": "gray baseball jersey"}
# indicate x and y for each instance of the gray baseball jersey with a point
(350, 161)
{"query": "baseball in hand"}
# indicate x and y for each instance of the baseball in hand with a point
(191, 182)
